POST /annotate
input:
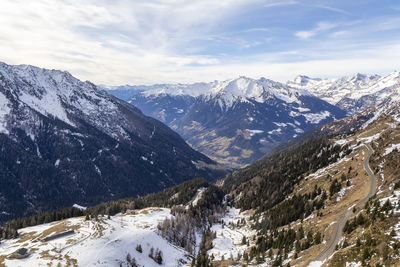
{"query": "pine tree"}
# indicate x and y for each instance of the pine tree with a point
(159, 258)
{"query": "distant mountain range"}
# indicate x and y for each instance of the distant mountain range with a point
(237, 121)
(328, 191)
(352, 93)
(65, 141)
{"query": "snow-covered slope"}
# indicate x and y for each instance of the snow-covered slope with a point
(229, 91)
(353, 93)
(235, 121)
(76, 142)
(105, 242)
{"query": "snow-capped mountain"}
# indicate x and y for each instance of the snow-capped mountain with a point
(235, 121)
(353, 93)
(65, 141)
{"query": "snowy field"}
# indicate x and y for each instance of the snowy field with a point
(105, 242)
(228, 242)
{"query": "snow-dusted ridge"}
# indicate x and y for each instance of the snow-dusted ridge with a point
(228, 91)
(235, 120)
(353, 93)
(53, 123)
(59, 95)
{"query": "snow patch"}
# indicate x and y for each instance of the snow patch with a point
(342, 192)
(315, 118)
(315, 264)
(105, 242)
(390, 149)
(253, 132)
(57, 163)
(229, 237)
(4, 111)
(79, 207)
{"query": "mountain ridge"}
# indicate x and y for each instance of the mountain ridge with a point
(352, 93)
(236, 121)
(91, 145)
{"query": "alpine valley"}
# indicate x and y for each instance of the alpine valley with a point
(236, 121)
(321, 184)
(65, 141)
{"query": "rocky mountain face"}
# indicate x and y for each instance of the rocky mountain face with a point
(329, 198)
(235, 121)
(65, 141)
(354, 93)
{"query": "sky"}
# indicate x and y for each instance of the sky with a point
(116, 42)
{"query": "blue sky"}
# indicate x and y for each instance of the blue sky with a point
(143, 42)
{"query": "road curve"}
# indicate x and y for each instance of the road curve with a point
(340, 225)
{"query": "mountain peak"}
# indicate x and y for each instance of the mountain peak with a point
(302, 81)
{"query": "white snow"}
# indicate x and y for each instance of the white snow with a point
(315, 264)
(57, 163)
(369, 139)
(342, 141)
(97, 169)
(4, 111)
(229, 238)
(229, 91)
(353, 87)
(342, 192)
(315, 118)
(58, 94)
(48, 104)
(353, 264)
(198, 195)
(253, 132)
(298, 130)
(394, 200)
(102, 243)
(301, 109)
(275, 131)
(390, 149)
(79, 207)
(280, 124)
(396, 228)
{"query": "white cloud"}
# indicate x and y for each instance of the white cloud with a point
(108, 41)
(321, 27)
(280, 3)
(136, 42)
(333, 9)
(304, 34)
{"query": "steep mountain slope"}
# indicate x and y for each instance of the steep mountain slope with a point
(286, 208)
(236, 121)
(353, 93)
(124, 236)
(300, 212)
(64, 141)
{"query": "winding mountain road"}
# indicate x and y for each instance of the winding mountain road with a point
(340, 225)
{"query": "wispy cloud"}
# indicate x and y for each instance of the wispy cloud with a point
(333, 9)
(123, 41)
(257, 30)
(280, 3)
(321, 27)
